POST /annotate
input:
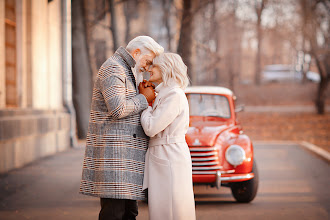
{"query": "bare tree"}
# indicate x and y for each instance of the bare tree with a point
(185, 41)
(323, 65)
(316, 13)
(94, 14)
(166, 20)
(82, 74)
(318, 16)
(259, 7)
(113, 26)
(130, 12)
(231, 51)
(190, 8)
(216, 37)
(304, 16)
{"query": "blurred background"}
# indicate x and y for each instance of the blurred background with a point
(273, 54)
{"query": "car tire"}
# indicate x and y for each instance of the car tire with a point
(245, 191)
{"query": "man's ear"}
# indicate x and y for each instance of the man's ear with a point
(136, 53)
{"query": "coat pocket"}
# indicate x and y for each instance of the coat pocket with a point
(155, 168)
(158, 160)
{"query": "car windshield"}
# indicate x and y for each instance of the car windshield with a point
(208, 105)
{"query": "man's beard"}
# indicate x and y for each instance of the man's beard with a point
(138, 73)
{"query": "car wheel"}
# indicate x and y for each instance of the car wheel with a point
(246, 191)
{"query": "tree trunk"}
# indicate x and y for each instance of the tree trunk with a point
(321, 96)
(113, 25)
(81, 70)
(304, 70)
(166, 20)
(324, 70)
(185, 41)
(216, 37)
(128, 17)
(304, 18)
(311, 22)
(258, 56)
(259, 10)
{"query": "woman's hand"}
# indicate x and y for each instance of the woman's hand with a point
(148, 92)
(147, 84)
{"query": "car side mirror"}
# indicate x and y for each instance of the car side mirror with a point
(239, 108)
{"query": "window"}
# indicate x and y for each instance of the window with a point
(208, 105)
(10, 48)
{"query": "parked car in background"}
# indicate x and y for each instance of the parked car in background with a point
(312, 76)
(279, 73)
(222, 155)
(286, 73)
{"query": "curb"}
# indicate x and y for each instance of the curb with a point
(283, 109)
(308, 146)
(316, 149)
(275, 142)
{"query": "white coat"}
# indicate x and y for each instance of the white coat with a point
(168, 169)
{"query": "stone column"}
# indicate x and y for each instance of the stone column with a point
(21, 52)
(39, 52)
(54, 44)
(2, 56)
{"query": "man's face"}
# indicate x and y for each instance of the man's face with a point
(144, 61)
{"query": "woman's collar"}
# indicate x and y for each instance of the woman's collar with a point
(170, 84)
(158, 88)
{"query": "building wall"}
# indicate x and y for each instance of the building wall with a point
(2, 52)
(54, 54)
(38, 125)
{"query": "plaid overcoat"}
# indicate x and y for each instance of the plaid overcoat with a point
(116, 143)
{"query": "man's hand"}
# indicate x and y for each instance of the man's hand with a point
(147, 84)
(148, 92)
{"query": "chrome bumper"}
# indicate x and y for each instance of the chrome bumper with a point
(229, 178)
(218, 179)
(239, 177)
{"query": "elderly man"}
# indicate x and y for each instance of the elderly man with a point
(116, 143)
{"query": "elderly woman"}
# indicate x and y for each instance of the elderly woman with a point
(168, 169)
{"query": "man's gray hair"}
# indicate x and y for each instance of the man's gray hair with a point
(145, 42)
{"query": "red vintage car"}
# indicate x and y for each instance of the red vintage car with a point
(222, 155)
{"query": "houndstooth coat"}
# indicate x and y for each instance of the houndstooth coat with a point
(116, 144)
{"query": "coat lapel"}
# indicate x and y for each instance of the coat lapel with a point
(131, 75)
(129, 62)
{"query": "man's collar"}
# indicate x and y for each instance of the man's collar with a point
(126, 56)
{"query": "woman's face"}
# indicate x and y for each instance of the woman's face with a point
(155, 74)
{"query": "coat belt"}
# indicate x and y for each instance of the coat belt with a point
(166, 140)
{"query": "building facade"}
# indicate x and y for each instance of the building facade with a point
(36, 113)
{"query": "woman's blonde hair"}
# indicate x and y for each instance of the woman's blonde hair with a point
(172, 68)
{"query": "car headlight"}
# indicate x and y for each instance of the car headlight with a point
(235, 155)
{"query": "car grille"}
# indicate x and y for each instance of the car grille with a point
(205, 160)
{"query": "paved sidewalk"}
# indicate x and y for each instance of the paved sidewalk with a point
(293, 185)
(47, 189)
(284, 109)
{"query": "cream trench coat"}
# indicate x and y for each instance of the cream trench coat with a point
(168, 169)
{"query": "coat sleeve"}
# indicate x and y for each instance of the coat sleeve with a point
(155, 121)
(113, 88)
